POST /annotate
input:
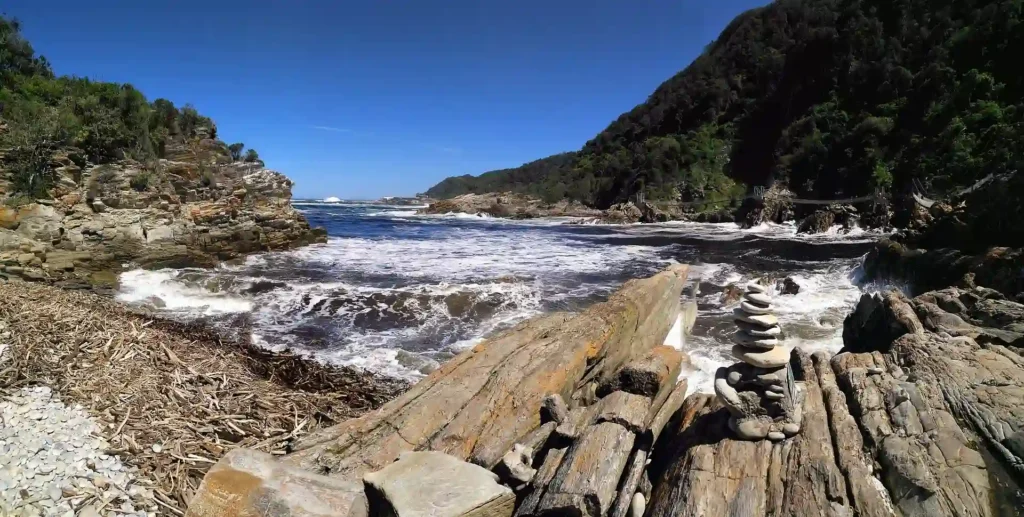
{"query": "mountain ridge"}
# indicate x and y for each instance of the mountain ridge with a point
(828, 98)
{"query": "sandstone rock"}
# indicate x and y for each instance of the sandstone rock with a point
(818, 222)
(248, 483)
(759, 331)
(586, 481)
(647, 375)
(756, 287)
(422, 484)
(626, 409)
(485, 399)
(553, 409)
(760, 299)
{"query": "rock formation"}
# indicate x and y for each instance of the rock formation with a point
(922, 415)
(759, 391)
(193, 209)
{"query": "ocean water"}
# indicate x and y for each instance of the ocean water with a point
(400, 293)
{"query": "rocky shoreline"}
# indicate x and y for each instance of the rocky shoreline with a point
(196, 207)
(774, 208)
(921, 414)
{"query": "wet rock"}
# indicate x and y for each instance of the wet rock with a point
(818, 222)
(731, 294)
(878, 320)
(789, 286)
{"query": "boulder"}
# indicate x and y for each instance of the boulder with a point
(789, 286)
(434, 484)
(247, 483)
(818, 222)
(878, 320)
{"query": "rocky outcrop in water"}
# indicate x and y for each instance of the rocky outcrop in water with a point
(187, 210)
(510, 205)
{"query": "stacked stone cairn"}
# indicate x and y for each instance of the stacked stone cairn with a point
(759, 392)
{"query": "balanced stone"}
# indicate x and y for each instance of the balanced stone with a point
(761, 320)
(758, 331)
(758, 298)
(750, 308)
(754, 287)
(776, 436)
(774, 358)
(745, 339)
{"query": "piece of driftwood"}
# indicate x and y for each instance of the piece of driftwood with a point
(485, 399)
(586, 482)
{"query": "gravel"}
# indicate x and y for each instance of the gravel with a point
(53, 461)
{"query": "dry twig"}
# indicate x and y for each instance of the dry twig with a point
(181, 387)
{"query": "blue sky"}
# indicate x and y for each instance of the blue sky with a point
(361, 99)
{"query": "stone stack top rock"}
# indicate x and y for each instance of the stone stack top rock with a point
(756, 339)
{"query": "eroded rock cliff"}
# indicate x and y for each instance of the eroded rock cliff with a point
(194, 208)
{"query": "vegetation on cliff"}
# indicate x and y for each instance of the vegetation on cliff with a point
(832, 98)
(43, 113)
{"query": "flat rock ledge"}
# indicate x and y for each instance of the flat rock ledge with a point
(921, 415)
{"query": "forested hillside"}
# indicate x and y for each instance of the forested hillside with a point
(42, 112)
(833, 98)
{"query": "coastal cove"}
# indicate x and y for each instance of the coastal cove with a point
(399, 292)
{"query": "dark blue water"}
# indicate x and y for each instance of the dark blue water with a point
(400, 293)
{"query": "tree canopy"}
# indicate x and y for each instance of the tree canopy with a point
(107, 121)
(833, 98)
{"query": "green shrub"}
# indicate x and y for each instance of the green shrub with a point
(206, 179)
(236, 150)
(141, 181)
(252, 156)
(18, 200)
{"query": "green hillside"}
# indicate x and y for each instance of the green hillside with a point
(833, 98)
(42, 113)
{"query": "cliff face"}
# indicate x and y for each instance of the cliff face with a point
(194, 208)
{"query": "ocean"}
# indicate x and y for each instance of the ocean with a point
(400, 293)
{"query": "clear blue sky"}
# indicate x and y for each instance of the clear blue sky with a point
(367, 98)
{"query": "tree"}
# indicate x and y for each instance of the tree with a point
(251, 156)
(236, 150)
